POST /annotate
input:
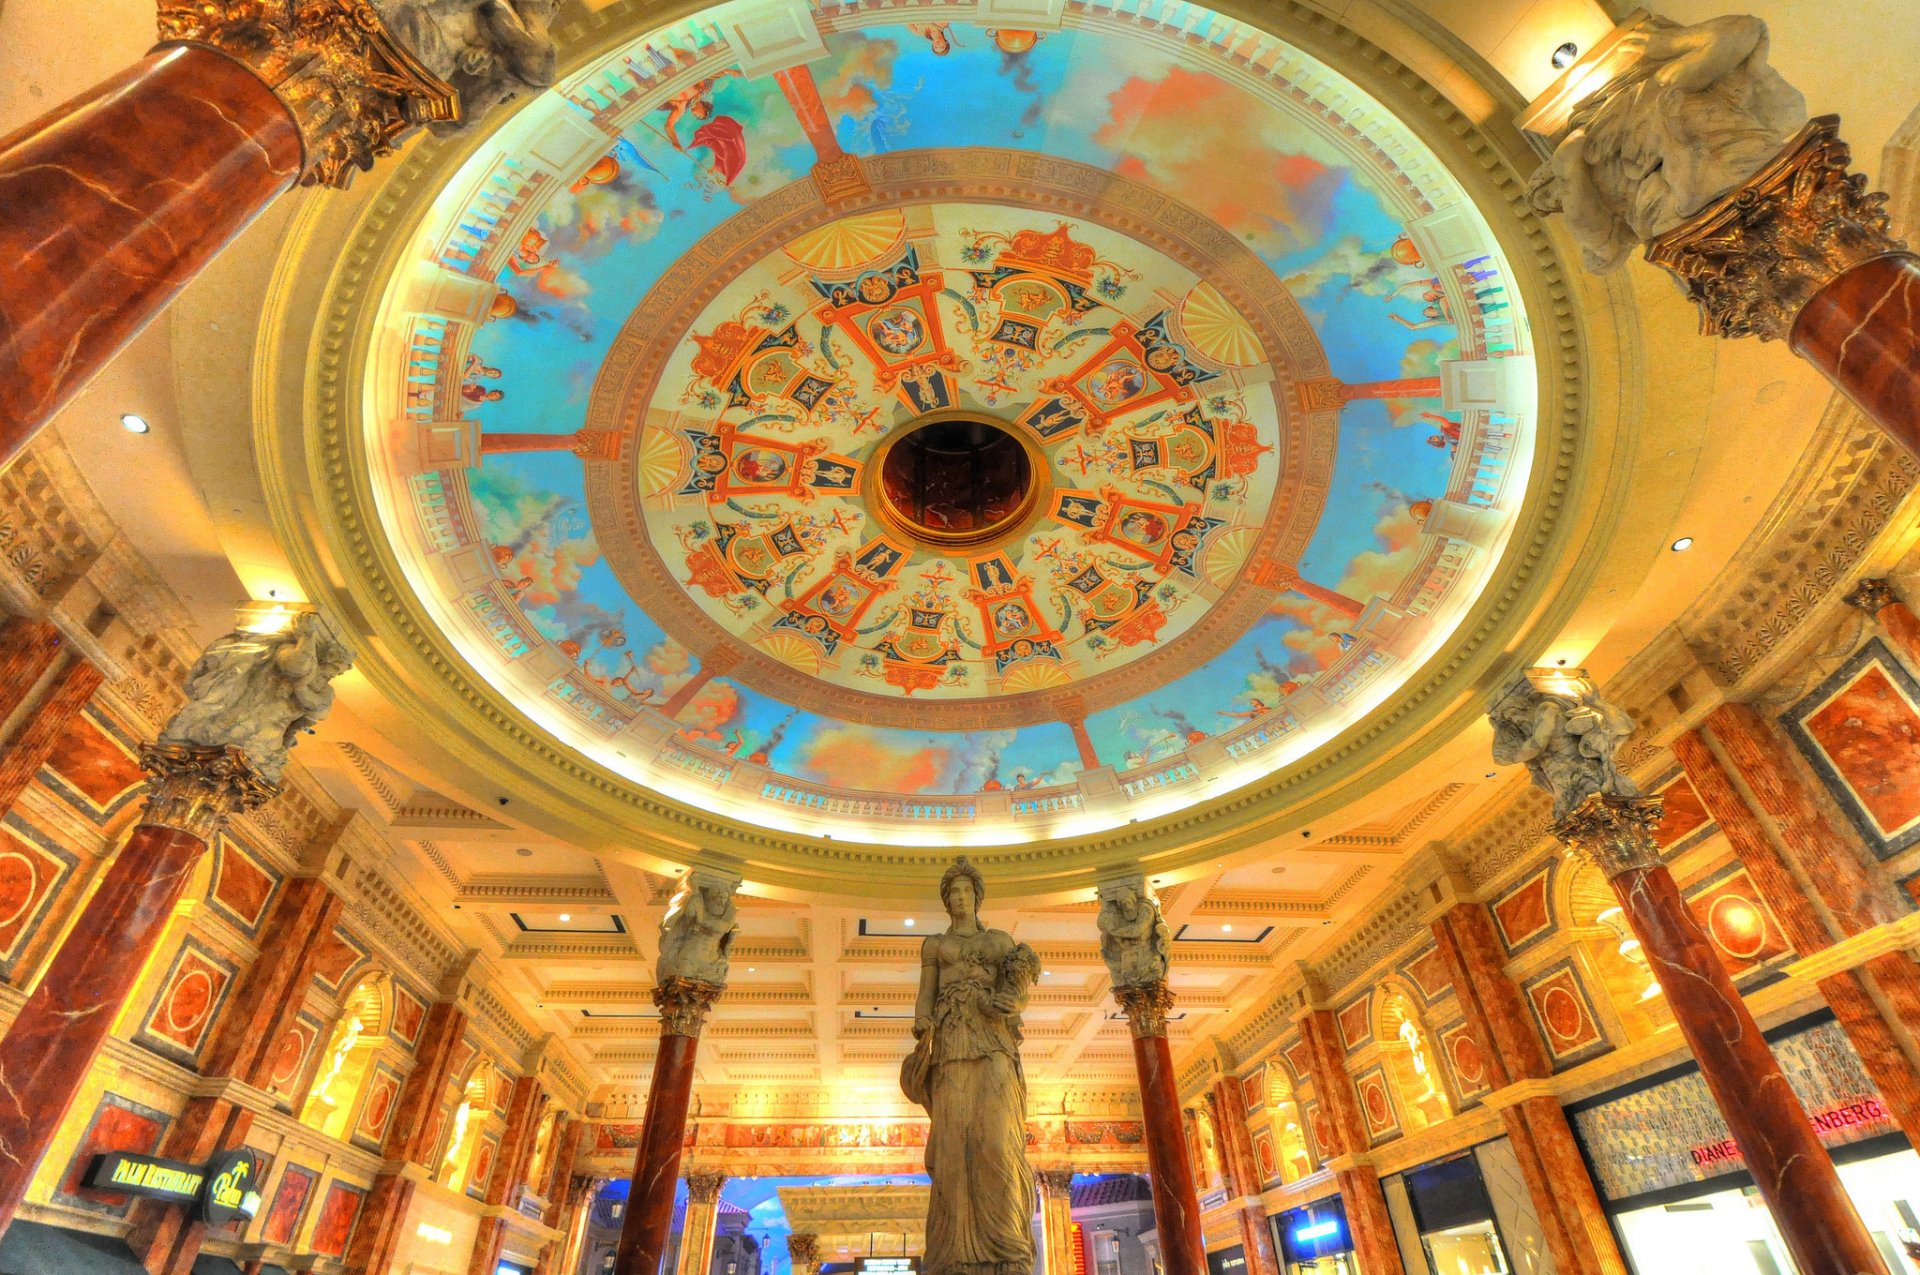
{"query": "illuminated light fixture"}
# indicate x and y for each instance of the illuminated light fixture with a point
(1226, 929)
(1564, 55)
(1561, 680)
(136, 424)
(1317, 1230)
(434, 1234)
(1681, 545)
(908, 923)
(268, 617)
(565, 917)
(753, 969)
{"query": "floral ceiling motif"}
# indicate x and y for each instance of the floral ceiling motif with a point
(1250, 355)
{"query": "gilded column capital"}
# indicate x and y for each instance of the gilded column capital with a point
(1872, 595)
(704, 1188)
(195, 790)
(1753, 258)
(1614, 833)
(1055, 1184)
(582, 1187)
(684, 1003)
(803, 1249)
(359, 75)
(1146, 1006)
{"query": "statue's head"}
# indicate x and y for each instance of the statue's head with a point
(962, 873)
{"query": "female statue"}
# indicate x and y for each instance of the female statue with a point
(965, 1071)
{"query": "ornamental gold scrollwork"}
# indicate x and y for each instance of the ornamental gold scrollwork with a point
(1615, 834)
(684, 1003)
(195, 790)
(1146, 1006)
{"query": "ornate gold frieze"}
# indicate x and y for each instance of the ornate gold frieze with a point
(1753, 258)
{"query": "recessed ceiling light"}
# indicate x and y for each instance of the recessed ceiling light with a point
(1046, 973)
(524, 852)
(1681, 545)
(135, 424)
(908, 923)
(752, 969)
(1564, 55)
(1226, 929)
(565, 917)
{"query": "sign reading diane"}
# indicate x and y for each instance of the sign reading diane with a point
(222, 1189)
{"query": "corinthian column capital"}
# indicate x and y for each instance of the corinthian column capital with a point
(1146, 1006)
(684, 1003)
(359, 75)
(195, 790)
(1614, 833)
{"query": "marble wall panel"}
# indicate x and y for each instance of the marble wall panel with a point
(1860, 729)
(33, 870)
(1356, 1022)
(1376, 1104)
(118, 1124)
(290, 1199)
(333, 1230)
(243, 885)
(1524, 914)
(94, 767)
(189, 1001)
(1564, 1012)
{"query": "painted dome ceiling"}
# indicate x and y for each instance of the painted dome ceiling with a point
(965, 430)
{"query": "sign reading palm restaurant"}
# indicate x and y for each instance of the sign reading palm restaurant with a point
(221, 1190)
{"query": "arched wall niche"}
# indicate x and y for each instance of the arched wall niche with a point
(1291, 1151)
(346, 1063)
(1595, 927)
(1410, 1057)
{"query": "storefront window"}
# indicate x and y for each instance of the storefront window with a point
(1453, 1216)
(1314, 1239)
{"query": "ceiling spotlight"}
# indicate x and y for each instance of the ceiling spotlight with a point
(1046, 973)
(1226, 929)
(135, 424)
(565, 917)
(908, 923)
(751, 969)
(1681, 545)
(1564, 55)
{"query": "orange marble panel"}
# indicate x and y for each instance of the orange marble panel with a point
(1684, 815)
(1522, 913)
(119, 1124)
(340, 955)
(1744, 932)
(1565, 1014)
(1376, 1104)
(95, 764)
(334, 1229)
(408, 1013)
(1319, 1129)
(188, 1003)
(383, 1091)
(288, 1061)
(481, 1169)
(1265, 1156)
(1253, 1089)
(242, 887)
(289, 1203)
(1467, 1060)
(1356, 1022)
(32, 870)
(1429, 973)
(1299, 1059)
(1862, 731)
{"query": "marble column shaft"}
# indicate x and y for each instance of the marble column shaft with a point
(1863, 332)
(1789, 1165)
(1850, 994)
(48, 1049)
(113, 202)
(1572, 1219)
(703, 1218)
(165, 1237)
(1056, 1220)
(656, 1165)
(1176, 1205)
(1367, 1218)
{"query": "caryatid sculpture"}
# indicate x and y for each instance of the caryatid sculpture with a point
(1696, 112)
(965, 1070)
(696, 938)
(1136, 946)
(487, 51)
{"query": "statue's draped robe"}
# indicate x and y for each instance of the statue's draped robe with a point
(980, 1215)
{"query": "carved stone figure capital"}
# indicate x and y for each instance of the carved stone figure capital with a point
(1872, 595)
(1752, 259)
(696, 933)
(684, 1003)
(1134, 940)
(254, 693)
(704, 1188)
(195, 790)
(1566, 735)
(1614, 833)
(359, 75)
(1146, 1006)
(1055, 1184)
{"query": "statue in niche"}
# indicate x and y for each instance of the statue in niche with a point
(1565, 739)
(257, 691)
(1697, 113)
(1134, 940)
(965, 1070)
(696, 935)
(487, 51)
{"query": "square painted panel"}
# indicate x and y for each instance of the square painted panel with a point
(1524, 914)
(1356, 1022)
(243, 886)
(1467, 1061)
(1377, 1106)
(1253, 1089)
(1861, 731)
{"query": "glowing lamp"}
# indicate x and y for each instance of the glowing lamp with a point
(1571, 682)
(268, 617)
(1015, 41)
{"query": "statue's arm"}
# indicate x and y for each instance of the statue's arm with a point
(929, 984)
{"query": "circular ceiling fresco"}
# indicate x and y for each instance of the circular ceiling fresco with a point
(962, 430)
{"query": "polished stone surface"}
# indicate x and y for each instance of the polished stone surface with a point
(1863, 331)
(656, 1166)
(1176, 1206)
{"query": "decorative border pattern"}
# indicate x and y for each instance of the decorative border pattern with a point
(1871, 659)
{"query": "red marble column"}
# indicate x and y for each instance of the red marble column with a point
(524, 1110)
(558, 1192)
(73, 687)
(165, 1238)
(1572, 1220)
(1368, 1221)
(1863, 331)
(46, 1052)
(656, 1166)
(1848, 994)
(1789, 1165)
(113, 201)
(1176, 1205)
